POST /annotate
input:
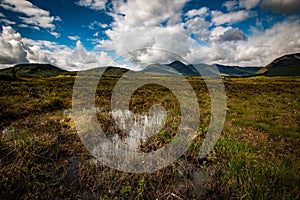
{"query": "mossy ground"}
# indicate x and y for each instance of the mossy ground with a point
(257, 156)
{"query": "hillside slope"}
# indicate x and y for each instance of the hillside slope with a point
(287, 65)
(33, 70)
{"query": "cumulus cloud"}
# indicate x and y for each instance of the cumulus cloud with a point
(33, 16)
(223, 44)
(75, 38)
(157, 32)
(249, 4)
(16, 49)
(201, 12)
(282, 6)
(92, 4)
(168, 39)
(147, 13)
(198, 27)
(79, 58)
(138, 25)
(260, 49)
(216, 32)
(220, 18)
(233, 35)
(12, 48)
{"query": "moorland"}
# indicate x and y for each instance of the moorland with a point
(256, 157)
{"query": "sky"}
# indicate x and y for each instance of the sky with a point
(83, 34)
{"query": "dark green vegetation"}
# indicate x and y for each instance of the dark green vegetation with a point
(31, 71)
(287, 65)
(257, 156)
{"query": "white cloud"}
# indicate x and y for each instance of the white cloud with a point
(202, 12)
(156, 28)
(7, 21)
(92, 4)
(147, 13)
(96, 25)
(216, 32)
(199, 27)
(43, 22)
(282, 6)
(75, 38)
(96, 34)
(79, 58)
(23, 50)
(228, 18)
(260, 48)
(138, 25)
(29, 26)
(104, 25)
(249, 4)
(168, 39)
(55, 34)
(34, 16)
(224, 44)
(231, 5)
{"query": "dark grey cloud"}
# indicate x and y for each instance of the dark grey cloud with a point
(12, 49)
(233, 35)
(280, 6)
(13, 59)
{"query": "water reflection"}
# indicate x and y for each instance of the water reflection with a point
(138, 127)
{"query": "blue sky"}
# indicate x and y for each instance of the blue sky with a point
(83, 34)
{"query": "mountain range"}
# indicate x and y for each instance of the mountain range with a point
(178, 68)
(287, 65)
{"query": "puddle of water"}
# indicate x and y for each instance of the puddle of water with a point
(138, 127)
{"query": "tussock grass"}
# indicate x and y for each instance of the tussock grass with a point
(257, 156)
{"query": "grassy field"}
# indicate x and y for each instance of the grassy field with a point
(257, 156)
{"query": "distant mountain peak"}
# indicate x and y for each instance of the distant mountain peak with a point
(185, 70)
(177, 62)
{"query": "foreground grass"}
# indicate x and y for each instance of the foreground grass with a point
(257, 156)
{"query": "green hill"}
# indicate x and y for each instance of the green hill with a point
(46, 70)
(32, 70)
(287, 65)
